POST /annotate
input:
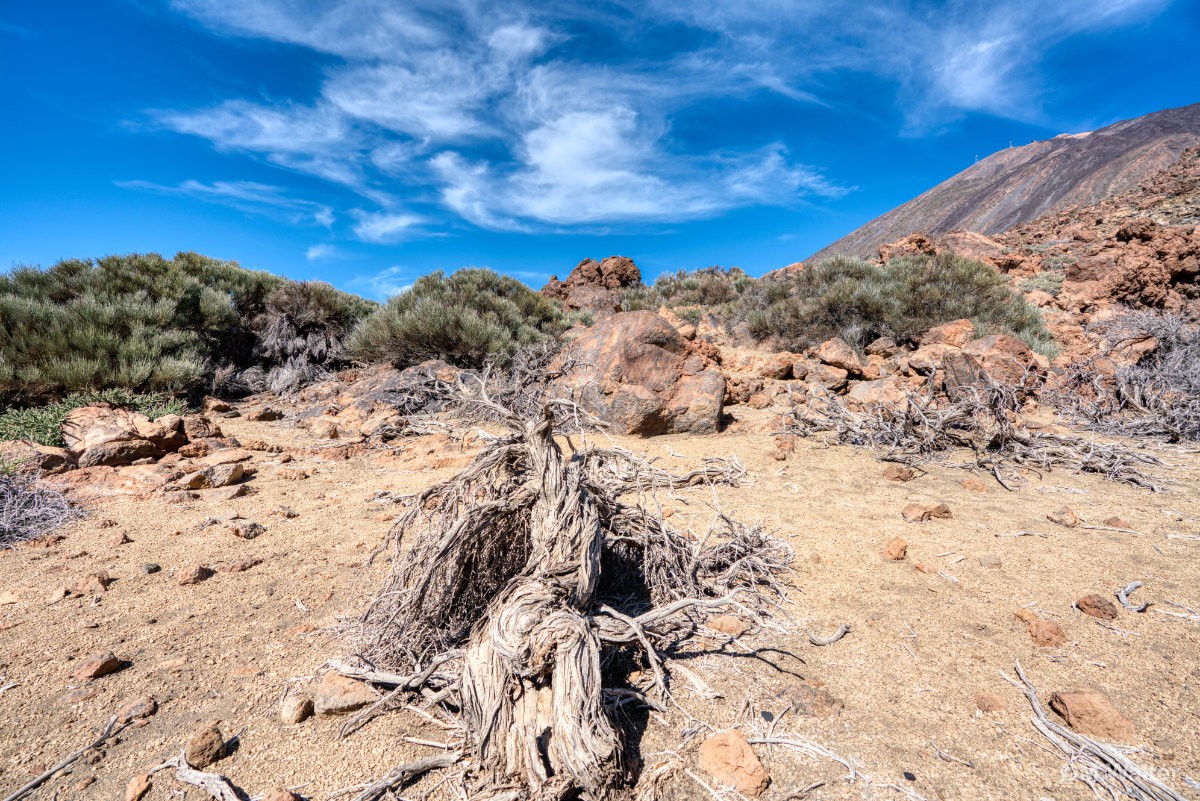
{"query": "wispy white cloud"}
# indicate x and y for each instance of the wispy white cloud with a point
(527, 116)
(321, 252)
(246, 196)
(383, 284)
(385, 226)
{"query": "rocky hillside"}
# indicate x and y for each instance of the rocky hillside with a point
(1020, 184)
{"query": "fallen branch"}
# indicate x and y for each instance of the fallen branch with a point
(841, 632)
(1112, 528)
(399, 776)
(853, 775)
(216, 785)
(1123, 596)
(27, 789)
(1098, 765)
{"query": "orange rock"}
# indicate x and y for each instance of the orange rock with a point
(1064, 517)
(138, 786)
(1090, 712)
(897, 472)
(1045, 633)
(1098, 607)
(987, 701)
(922, 513)
(896, 549)
(973, 484)
(731, 762)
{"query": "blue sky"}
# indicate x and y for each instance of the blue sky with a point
(367, 142)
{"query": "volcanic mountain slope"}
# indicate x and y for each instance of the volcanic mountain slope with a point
(1023, 183)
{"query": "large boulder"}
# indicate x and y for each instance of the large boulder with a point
(595, 286)
(635, 372)
(101, 434)
(1006, 358)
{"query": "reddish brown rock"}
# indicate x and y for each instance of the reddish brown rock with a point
(731, 762)
(956, 333)
(264, 414)
(295, 709)
(923, 513)
(97, 665)
(884, 392)
(279, 794)
(837, 352)
(635, 372)
(898, 472)
(92, 584)
(1098, 607)
(337, 694)
(138, 786)
(987, 701)
(1064, 517)
(1044, 633)
(728, 624)
(595, 286)
(136, 708)
(1006, 358)
(195, 575)
(973, 484)
(206, 747)
(1117, 522)
(1090, 712)
(896, 549)
(812, 700)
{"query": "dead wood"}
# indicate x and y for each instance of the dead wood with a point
(1104, 768)
(516, 586)
(983, 420)
(27, 789)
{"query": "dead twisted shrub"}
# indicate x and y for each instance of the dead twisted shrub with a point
(514, 584)
(983, 419)
(30, 509)
(1159, 396)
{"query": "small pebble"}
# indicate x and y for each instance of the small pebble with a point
(150, 568)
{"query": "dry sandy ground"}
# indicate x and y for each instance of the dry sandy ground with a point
(922, 643)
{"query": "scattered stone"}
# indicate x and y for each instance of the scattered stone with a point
(896, 549)
(263, 445)
(264, 415)
(989, 561)
(811, 699)
(84, 783)
(837, 352)
(97, 665)
(138, 786)
(973, 484)
(1090, 712)
(136, 709)
(1097, 606)
(922, 513)
(225, 494)
(324, 429)
(92, 584)
(246, 529)
(286, 512)
(240, 566)
(1117, 522)
(195, 575)
(987, 701)
(731, 762)
(119, 539)
(79, 695)
(279, 794)
(295, 709)
(1064, 517)
(150, 568)
(337, 694)
(206, 747)
(215, 406)
(294, 473)
(728, 624)
(899, 472)
(1045, 633)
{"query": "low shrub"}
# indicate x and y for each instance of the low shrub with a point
(301, 335)
(43, 424)
(710, 289)
(860, 301)
(30, 509)
(1048, 281)
(466, 318)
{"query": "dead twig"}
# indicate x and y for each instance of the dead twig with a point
(942, 755)
(216, 785)
(841, 632)
(1123, 596)
(1100, 766)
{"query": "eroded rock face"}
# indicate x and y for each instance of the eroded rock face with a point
(634, 371)
(595, 286)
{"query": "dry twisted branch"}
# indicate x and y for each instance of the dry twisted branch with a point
(514, 582)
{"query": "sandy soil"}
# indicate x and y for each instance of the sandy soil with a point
(922, 643)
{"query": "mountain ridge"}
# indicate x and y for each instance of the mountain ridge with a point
(1020, 184)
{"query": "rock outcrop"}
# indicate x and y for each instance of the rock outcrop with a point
(638, 374)
(595, 286)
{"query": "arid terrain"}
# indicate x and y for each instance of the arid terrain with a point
(912, 696)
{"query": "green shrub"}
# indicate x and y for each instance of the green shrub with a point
(713, 289)
(1050, 282)
(464, 319)
(43, 424)
(860, 301)
(139, 322)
